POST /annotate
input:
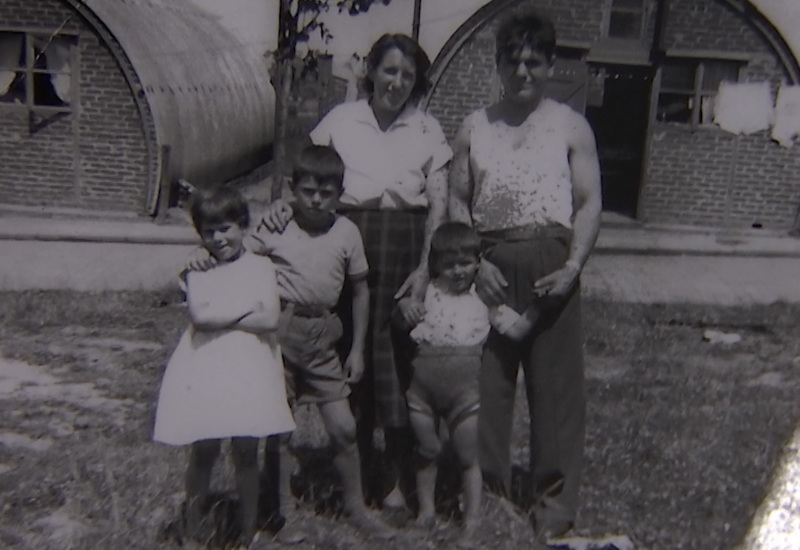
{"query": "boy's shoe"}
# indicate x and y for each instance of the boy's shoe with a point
(368, 523)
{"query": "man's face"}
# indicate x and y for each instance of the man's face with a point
(524, 75)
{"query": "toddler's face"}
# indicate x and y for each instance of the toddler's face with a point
(314, 200)
(223, 240)
(456, 274)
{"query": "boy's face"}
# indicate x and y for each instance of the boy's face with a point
(223, 240)
(457, 273)
(314, 200)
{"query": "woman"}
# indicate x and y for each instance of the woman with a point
(525, 173)
(395, 189)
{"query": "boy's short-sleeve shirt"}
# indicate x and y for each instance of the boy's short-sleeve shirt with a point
(311, 268)
(390, 167)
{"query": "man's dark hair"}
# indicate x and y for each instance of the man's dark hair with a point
(527, 29)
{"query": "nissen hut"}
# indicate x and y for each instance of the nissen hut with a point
(104, 104)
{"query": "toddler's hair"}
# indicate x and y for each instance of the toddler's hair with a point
(322, 163)
(219, 205)
(452, 240)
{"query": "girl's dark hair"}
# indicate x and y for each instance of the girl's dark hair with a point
(409, 47)
(322, 163)
(452, 240)
(220, 205)
(527, 29)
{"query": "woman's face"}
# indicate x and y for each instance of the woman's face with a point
(393, 80)
(524, 75)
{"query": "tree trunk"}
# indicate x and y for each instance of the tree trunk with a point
(282, 99)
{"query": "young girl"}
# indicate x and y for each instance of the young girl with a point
(225, 378)
(446, 363)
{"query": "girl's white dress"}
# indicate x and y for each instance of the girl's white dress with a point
(229, 382)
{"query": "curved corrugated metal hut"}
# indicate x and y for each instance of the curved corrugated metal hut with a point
(157, 90)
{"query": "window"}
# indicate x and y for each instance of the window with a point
(36, 70)
(626, 19)
(688, 88)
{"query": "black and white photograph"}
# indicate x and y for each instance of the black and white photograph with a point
(400, 274)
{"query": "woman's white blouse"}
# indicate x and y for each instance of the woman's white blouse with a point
(389, 168)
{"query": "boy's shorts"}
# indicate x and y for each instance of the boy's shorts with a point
(444, 382)
(314, 372)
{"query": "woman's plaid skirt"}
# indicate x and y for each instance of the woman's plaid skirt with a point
(393, 244)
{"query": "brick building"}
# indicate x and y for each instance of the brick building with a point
(646, 74)
(104, 104)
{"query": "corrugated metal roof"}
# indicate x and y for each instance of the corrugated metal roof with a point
(209, 94)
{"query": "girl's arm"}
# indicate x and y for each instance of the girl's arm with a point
(214, 309)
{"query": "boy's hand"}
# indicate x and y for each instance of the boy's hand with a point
(277, 216)
(412, 310)
(200, 260)
(354, 366)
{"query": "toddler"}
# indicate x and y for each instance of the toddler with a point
(446, 364)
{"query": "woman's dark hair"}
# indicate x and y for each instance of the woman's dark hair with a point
(409, 47)
(322, 163)
(452, 240)
(216, 206)
(528, 29)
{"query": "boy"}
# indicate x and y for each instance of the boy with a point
(313, 256)
(446, 363)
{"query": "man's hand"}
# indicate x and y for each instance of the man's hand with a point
(557, 284)
(277, 216)
(200, 260)
(490, 284)
(354, 366)
(411, 310)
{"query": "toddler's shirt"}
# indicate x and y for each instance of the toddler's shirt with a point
(459, 319)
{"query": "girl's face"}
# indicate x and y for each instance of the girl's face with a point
(223, 240)
(457, 273)
(524, 75)
(393, 80)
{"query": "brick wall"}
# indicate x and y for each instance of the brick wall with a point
(709, 177)
(703, 177)
(95, 159)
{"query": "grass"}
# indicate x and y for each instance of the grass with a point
(682, 439)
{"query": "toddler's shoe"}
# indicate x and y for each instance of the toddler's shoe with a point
(291, 533)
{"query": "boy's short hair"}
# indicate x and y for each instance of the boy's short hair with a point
(525, 29)
(452, 240)
(220, 205)
(322, 163)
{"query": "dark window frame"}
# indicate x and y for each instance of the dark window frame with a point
(30, 72)
(699, 91)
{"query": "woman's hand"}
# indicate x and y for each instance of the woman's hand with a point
(412, 310)
(415, 284)
(557, 284)
(490, 284)
(277, 216)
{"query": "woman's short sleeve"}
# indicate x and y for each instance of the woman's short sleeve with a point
(322, 134)
(436, 142)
